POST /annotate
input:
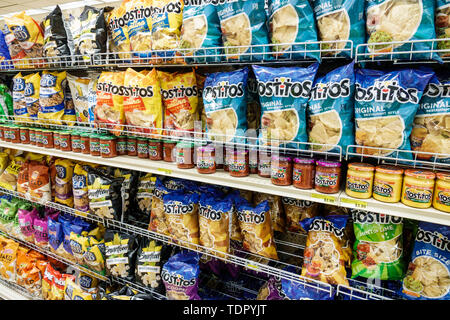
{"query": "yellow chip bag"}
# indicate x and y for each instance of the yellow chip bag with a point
(142, 102)
(78, 245)
(8, 179)
(4, 160)
(31, 95)
(109, 107)
(180, 97)
(324, 258)
(94, 257)
(140, 26)
(51, 97)
(18, 95)
(256, 228)
(63, 182)
(118, 31)
(8, 258)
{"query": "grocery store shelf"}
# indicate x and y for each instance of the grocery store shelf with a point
(12, 291)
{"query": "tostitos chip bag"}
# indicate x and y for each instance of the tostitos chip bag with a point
(8, 256)
(142, 100)
(51, 97)
(118, 31)
(256, 228)
(140, 27)
(31, 95)
(180, 97)
(324, 259)
(109, 107)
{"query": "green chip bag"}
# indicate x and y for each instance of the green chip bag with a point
(378, 249)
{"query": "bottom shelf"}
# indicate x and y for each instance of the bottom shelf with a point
(12, 291)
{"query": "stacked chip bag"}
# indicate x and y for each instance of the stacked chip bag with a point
(16, 52)
(225, 103)
(144, 194)
(180, 276)
(8, 258)
(431, 130)
(142, 102)
(109, 104)
(179, 94)
(140, 27)
(63, 185)
(276, 209)
(181, 216)
(283, 94)
(297, 210)
(148, 263)
(200, 31)
(428, 274)
(55, 36)
(324, 259)
(118, 32)
(330, 110)
(340, 21)
(128, 189)
(120, 254)
(79, 91)
(4, 53)
(167, 18)
(243, 24)
(397, 21)
(292, 21)
(19, 104)
(51, 97)
(214, 218)
(386, 103)
(32, 94)
(8, 178)
(94, 256)
(378, 249)
(256, 228)
(69, 116)
(6, 102)
(157, 218)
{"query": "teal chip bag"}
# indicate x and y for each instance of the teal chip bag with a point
(283, 94)
(330, 110)
(378, 248)
(292, 21)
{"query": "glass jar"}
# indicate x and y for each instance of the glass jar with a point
(142, 148)
(185, 155)
(303, 173)
(253, 160)
(155, 149)
(206, 159)
(94, 145)
(281, 170)
(238, 164)
(65, 143)
(32, 133)
(47, 139)
(55, 139)
(264, 164)
(169, 150)
(441, 197)
(417, 190)
(1, 132)
(387, 183)
(328, 176)
(359, 182)
(39, 138)
(108, 146)
(84, 143)
(15, 134)
(122, 145)
(76, 141)
(24, 135)
(132, 146)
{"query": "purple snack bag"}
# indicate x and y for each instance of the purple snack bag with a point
(40, 226)
(271, 290)
(26, 221)
(208, 263)
(180, 276)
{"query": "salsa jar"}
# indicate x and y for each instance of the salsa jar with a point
(47, 139)
(94, 145)
(76, 141)
(328, 176)
(32, 134)
(85, 143)
(108, 146)
(142, 147)
(417, 190)
(238, 164)
(359, 182)
(65, 143)
(441, 197)
(122, 146)
(155, 149)
(2, 128)
(55, 139)
(169, 150)
(264, 164)
(303, 173)
(206, 159)
(24, 135)
(15, 134)
(253, 160)
(185, 155)
(132, 146)
(281, 170)
(387, 183)
(39, 138)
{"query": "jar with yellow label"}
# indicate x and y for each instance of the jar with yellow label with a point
(359, 180)
(441, 197)
(418, 188)
(387, 184)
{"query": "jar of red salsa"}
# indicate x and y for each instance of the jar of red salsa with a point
(24, 135)
(206, 159)
(132, 146)
(185, 155)
(253, 160)
(47, 139)
(55, 139)
(155, 149)
(94, 145)
(122, 145)
(39, 138)
(84, 143)
(108, 146)
(65, 143)
(264, 164)
(281, 170)
(76, 141)
(303, 173)
(238, 164)
(15, 134)
(32, 133)
(169, 150)
(142, 147)
(328, 176)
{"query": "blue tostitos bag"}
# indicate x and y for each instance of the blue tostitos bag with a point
(284, 93)
(201, 29)
(4, 53)
(340, 20)
(293, 21)
(385, 105)
(330, 110)
(225, 102)
(428, 274)
(243, 24)
(55, 234)
(397, 21)
(180, 276)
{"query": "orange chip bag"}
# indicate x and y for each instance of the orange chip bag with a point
(8, 258)
(109, 107)
(142, 100)
(39, 182)
(28, 274)
(180, 97)
(22, 180)
(59, 280)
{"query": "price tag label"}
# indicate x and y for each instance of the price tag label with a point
(324, 197)
(252, 266)
(166, 171)
(357, 203)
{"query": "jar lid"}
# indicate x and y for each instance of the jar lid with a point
(169, 141)
(184, 144)
(421, 174)
(281, 158)
(304, 160)
(443, 176)
(389, 169)
(359, 166)
(142, 138)
(326, 163)
(108, 137)
(154, 140)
